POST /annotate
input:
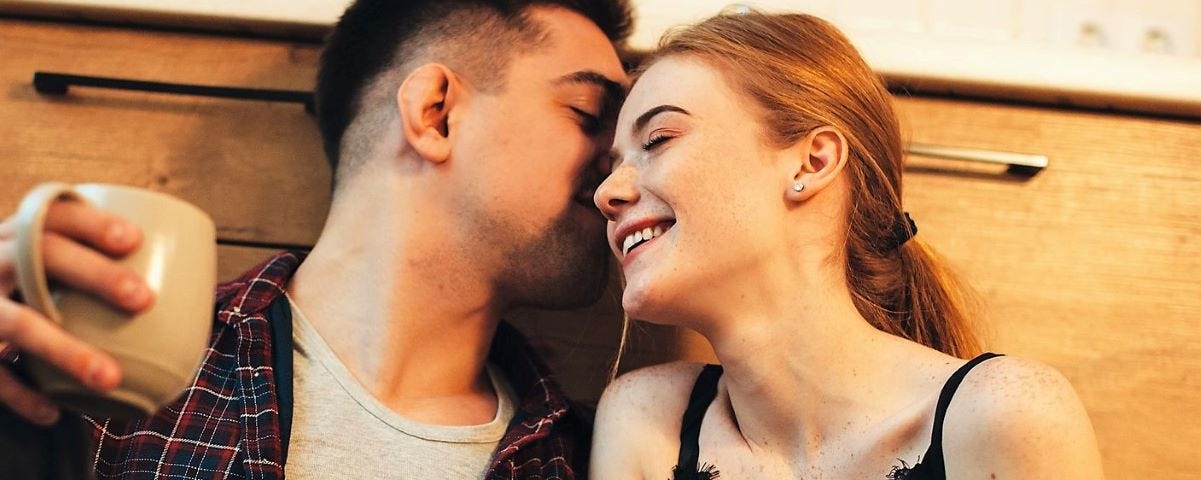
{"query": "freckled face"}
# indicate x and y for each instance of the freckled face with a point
(691, 172)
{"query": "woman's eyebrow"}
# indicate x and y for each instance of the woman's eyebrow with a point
(641, 122)
(646, 117)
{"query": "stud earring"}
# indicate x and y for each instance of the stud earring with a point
(798, 187)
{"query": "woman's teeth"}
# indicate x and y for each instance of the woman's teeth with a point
(640, 237)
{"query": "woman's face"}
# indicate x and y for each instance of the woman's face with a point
(696, 198)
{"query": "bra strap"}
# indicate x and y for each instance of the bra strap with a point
(703, 393)
(934, 458)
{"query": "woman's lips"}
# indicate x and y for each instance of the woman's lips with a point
(636, 240)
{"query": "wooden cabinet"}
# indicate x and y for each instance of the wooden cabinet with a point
(256, 167)
(1091, 265)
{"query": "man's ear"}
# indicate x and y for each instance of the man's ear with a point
(816, 162)
(425, 100)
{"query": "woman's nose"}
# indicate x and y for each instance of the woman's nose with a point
(617, 192)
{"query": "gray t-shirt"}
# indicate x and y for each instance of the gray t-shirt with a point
(339, 430)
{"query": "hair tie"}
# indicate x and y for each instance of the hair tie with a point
(902, 231)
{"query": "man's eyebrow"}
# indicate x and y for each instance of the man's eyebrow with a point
(649, 114)
(615, 92)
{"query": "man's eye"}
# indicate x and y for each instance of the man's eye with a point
(588, 122)
(606, 163)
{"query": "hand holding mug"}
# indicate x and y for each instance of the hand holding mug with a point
(81, 352)
(80, 246)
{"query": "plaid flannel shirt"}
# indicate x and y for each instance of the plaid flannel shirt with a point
(227, 425)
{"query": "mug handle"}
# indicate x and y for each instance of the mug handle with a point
(31, 269)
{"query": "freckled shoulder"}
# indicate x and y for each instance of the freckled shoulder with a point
(638, 420)
(653, 393)
(1018, 418)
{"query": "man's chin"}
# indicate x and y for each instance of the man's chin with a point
(571, 270)
(582, 289)
(576, 287)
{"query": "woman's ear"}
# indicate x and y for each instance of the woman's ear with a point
(817, 161)
(424, 101)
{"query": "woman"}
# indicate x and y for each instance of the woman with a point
(755, 197)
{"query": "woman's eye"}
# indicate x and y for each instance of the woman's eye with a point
(655, 141)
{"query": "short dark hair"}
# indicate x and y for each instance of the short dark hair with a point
(374, 37)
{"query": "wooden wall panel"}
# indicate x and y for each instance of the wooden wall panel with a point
(219, 154)
(233, 261)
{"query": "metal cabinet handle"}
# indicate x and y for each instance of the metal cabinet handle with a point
(1022, 163)
(59, 83)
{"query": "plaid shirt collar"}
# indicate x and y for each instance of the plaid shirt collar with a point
(227, 424)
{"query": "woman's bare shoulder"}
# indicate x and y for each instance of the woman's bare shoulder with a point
(675, 375)
(651, 394)
(1015, 417)
(638, 420)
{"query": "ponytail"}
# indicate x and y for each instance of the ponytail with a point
(911, 294)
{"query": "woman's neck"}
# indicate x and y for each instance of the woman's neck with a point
(806, 372)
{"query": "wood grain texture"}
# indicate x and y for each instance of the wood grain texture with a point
(221, 155)
(232, 262)
(1090, 266)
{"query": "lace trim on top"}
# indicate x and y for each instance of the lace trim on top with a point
(707, 471)
(906, 472)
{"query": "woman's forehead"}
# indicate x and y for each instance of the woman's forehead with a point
(678, 80)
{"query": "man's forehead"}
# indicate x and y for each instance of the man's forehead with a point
(568, 79)
(572, 43)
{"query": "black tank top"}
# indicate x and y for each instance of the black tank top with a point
(930, 466)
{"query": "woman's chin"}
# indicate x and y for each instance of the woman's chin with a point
(647, 304)
(638, 303)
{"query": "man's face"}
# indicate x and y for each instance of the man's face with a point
(535, 148)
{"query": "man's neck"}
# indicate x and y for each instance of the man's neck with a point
(411, 319)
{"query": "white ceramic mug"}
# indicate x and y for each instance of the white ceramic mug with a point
(159, 350)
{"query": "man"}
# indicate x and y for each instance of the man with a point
(465, 138)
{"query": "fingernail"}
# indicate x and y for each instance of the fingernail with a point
(100, 375)
(118, 235)
(46, 415)
(133, 293)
